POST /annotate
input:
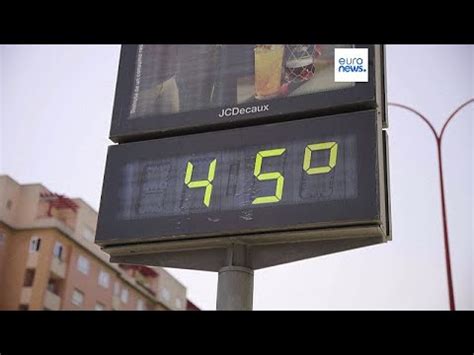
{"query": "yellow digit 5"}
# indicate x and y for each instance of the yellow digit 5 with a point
(280, 180)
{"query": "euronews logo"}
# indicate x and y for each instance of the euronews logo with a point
(351, 65)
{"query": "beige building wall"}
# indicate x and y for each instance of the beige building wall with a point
(12, 268)
(86, 220)
(18, 258)
(87, 283)
(4, 237)
(171, 292)
(23, 214)
(10, 195)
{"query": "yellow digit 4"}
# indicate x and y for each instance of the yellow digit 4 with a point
(207, 184)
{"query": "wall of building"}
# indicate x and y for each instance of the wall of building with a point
(86, 220)
(172, 293)
(10, 197)
(13, 258)
(23, 215)
(4, 231)
(15, 263)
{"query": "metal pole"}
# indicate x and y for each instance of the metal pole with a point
(452, 306)
(235, 289)
(439, 139)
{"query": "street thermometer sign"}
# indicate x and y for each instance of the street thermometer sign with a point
(263, 150)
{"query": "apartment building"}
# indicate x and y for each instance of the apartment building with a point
(48, 259)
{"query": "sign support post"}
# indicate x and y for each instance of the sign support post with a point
(235, 289)
(235, 280)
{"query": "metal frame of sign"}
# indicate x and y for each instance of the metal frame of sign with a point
(362, 96)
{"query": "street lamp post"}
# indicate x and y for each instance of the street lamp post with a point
(439, 139)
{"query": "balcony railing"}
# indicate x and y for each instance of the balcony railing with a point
(52, 301)
(25, 296)
(146, 285)
(32, 260)
(116, 302)
(58, 268)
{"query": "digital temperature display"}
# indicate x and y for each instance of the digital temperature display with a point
(291, 172)
(298, 174)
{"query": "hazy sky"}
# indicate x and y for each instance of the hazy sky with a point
(55, 112)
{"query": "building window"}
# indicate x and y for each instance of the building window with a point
(116, 288)
(35, 244)
(29, 278)
(104, 278)
(58, 250)
(77, 297)
(53, 286)
(140, 305)
(165, 294)
(124, 295)
(83, 264)
(2, 239)
(9, 204)
(23, 307)
(88, 234)
(99, 307)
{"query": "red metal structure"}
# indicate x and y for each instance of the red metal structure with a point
(144, 270)
(191, 306)
(145, 273)
(439, 140)
(59, 202)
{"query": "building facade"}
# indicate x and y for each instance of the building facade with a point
(49, 261)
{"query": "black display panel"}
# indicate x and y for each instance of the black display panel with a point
(173, 89)
(300, 174)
